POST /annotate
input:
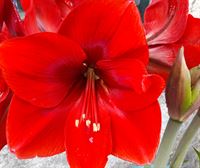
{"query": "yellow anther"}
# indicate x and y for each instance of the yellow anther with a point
(88, 122)
(76, 123)
(95, 128)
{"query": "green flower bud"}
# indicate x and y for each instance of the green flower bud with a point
(179, 92)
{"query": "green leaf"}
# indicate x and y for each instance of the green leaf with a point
(197, 152)
(185, 161)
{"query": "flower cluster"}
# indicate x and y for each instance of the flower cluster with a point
(84, 76)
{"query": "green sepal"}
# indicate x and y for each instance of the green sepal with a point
(179, 91)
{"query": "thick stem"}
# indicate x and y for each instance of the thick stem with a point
(185, 142)
(167, 144)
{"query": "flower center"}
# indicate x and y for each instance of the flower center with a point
(89, 112)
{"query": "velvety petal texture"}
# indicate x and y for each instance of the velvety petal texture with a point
(191, 42)
(12, 19)
(45, 15)
(192, 34)
(1, 13)
(4, 90)
(105, 34)
(129, 84)
(35, 131)
(165, 21)
(86, 148)
(3, 119)
(132, 139)
(50, 68)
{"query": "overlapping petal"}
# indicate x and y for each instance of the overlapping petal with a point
(12, 19)
(164, 54)
(1, 13)
(165, 21)
(106, 34)
(85, 147)
(162, 58)
(3, 118)
(50, 68)
(192, 55)
(34, 131)
(46, 15)
(129, 85)
(191, 42)
(135, 135)
(4, 90)
(192, 34)
(157, 68)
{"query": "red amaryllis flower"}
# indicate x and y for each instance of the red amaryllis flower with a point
(87, 93)
(165, 22)
(46, 15)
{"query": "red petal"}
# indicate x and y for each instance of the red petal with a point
(191, 42)
(156, 68)
(162, 58)
(4, 90)
(135, 134)
(34, 131)
(192, 32)
(4, 34)
(30, 23)
(26, 4)
(164, 54)
(103, 33)
(3, 117)
(129, 85)
(124, 73)
(1, 13)
(165, 21)
(192, 55)
(41, 68)
(12, 19)
(86, 148)
(46, 14)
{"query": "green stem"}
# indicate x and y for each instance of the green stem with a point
(185, 142)
(167, 143)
